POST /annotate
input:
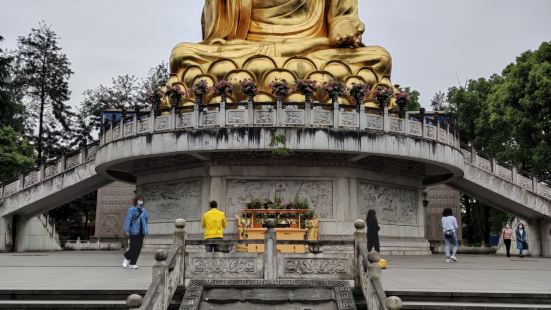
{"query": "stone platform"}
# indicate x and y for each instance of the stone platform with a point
(101, 270)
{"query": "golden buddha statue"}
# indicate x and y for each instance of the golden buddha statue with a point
(280, 39)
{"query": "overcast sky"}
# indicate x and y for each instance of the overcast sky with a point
(435, 44)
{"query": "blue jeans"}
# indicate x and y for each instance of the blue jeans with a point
(212, 247)
(447, 242)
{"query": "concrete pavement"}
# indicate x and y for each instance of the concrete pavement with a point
(102, 270)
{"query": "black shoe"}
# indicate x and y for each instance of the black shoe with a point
(508, 255)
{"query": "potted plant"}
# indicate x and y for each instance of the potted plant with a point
(248, 88)
(334, 89)
(359, 91)
(200, 89)
(382, 94)
(175, 94)
(306, 87)
(402, 100)
(222, 88)
(280, 88)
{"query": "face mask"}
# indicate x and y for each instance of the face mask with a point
(507, 226)
(521, 227)
(140, 203)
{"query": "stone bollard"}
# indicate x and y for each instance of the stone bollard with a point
(393, 303)
(359, 237)
(134, 302)
(180, 235)
(270, 251)
(159, 272)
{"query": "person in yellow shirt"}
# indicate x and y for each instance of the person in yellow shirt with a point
(213, 222)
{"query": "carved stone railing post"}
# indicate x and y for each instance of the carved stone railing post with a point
(437, 126)
(363, 119)
(535, 184)
(134, 302)
(180, 235)
(84, 152)
(423, 123)
(159, 272)
(386, 119)
(493, 165)
(393, 303)
(173, 117)
(406, 123)
(270, 251)
(359, 237)
(62, 163)
(111, 126)
(41, 173)
(196, 114)
(336, 112)
(222, 111)
(373, 275)
(135, 119)
(21, 181)
(474, 156)
(250, 111)
(152, 120)
(307, 111)
(279, 111)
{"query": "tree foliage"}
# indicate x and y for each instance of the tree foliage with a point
(125, 92)
(15, 152)
(42, 78)
(509, 115)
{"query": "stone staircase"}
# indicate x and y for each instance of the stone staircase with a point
(116, 299)
(472, 300)
(72, 299)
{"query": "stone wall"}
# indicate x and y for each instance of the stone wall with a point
(112, 204)
(441, 197)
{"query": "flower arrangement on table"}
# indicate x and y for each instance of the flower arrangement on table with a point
(298, 216)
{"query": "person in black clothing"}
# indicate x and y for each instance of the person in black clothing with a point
(372, 231)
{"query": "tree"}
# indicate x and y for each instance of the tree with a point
(11, 112)
(16, 154)
(125, 92)
(438, 102)
(42, 75)
(74, 219)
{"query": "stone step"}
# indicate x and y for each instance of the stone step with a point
(433, 305)
(473, 297)
(69, 304)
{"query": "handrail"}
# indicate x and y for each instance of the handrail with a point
(260, 241)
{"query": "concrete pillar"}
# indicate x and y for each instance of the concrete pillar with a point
(545, 237)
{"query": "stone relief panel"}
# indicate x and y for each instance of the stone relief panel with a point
(318, 192)
(111, 207)
(293, 117)
(415, 128)
(396, 124)
(322, 118)
(169, 201)
(236, 117)
(349, 119)
(264, 117)
(393, 205)
(185, 120)
(374, 122)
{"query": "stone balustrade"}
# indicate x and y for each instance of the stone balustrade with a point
(49, 170)
(276, 114)
(234, 270)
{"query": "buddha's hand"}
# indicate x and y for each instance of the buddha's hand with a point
(346, 33)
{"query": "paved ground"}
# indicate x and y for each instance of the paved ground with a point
(102, 270)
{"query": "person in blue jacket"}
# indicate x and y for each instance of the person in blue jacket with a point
(521, 239)
(135, 227)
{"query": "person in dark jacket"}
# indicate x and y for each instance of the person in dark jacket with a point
(135, 227)
(372, 231)
(521, 239)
